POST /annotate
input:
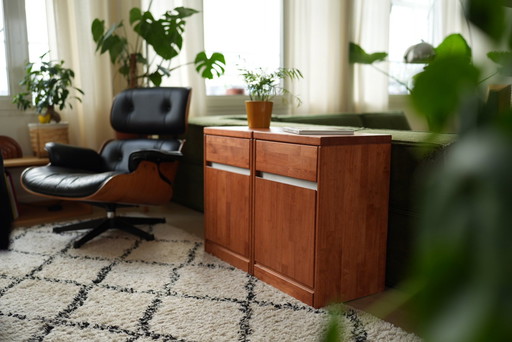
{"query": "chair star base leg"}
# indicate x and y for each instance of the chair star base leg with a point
(99, 226)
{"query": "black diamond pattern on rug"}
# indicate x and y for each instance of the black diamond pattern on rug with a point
(120, 288)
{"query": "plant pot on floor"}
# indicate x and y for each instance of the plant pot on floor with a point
(259, 113)
(40, 134)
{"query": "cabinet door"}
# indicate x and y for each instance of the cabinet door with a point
(284, 229)
(227, 210)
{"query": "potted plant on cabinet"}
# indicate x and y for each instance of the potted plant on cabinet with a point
(46, 88)
(263, 87)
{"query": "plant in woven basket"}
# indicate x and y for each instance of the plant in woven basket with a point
(46, 88)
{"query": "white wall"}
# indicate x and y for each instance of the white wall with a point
(15, 125)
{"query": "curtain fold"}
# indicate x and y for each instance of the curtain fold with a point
(316, 42)
(89, 121)
(371, 32)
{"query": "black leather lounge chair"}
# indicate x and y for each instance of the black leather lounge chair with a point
(129, 172)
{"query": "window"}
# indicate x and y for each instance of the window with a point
(4, 86)
(250, 37)
(23, 33)
(37, 29)
(411, 21)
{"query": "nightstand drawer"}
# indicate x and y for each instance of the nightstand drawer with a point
(227, 150)
(291, 160)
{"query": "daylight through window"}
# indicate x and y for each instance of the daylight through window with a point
(411, 21)
(249, 37)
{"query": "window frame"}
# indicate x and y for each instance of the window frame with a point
(16, 49)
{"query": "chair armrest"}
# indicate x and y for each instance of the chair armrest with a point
(74, 157)
(155, 156)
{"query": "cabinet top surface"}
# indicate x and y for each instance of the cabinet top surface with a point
(277, 134)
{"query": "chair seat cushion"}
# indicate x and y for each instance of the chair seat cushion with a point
(64, 182)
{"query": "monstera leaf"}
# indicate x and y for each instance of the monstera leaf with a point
(208, 66)
(358, 55)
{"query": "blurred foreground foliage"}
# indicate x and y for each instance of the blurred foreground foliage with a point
(462, 273)
(460, 288)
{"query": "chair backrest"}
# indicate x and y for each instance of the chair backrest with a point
(146, 111)
(9, 148)
(160, 110)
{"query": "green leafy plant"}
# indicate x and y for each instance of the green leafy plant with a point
(47, 87)
(454, 75)
(264, 86)
(357, 55)
(461, 275)
(164, 35)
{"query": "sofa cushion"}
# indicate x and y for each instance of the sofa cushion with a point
(391, 120)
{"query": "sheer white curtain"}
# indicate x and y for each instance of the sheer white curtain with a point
(89, 120)
(316, 42)
(371, 32)
(186, 76)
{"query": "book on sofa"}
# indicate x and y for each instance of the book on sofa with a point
(317, 131)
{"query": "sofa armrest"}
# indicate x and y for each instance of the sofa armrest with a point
(74, 157)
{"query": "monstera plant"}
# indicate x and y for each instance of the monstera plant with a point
(164, 35)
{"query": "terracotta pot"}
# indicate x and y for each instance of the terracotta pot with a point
(258, 113)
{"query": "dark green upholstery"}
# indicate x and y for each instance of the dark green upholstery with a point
(410, 151)
(349, 119)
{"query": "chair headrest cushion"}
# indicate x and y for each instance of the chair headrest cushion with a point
(160, 110)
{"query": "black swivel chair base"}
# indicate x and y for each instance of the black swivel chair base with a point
(98, 226)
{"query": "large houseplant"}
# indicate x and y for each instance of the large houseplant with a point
(47, 87)
(164, 35)
(263, 87)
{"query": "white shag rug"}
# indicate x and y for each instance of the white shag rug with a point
(120, 288)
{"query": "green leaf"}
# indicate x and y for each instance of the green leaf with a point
(358, 55)
(454, 44)
(210, 67)
(503, 59)
(439, 89)
(124, 70)
(117, 48)
(97, 29)
(489, 16)
(135, 15)
(184, 12)
(155, 78)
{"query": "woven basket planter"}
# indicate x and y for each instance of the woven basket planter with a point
(40, 134)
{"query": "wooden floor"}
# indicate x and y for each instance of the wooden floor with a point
(382, 305)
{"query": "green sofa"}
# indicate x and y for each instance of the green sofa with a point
(410, 151)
